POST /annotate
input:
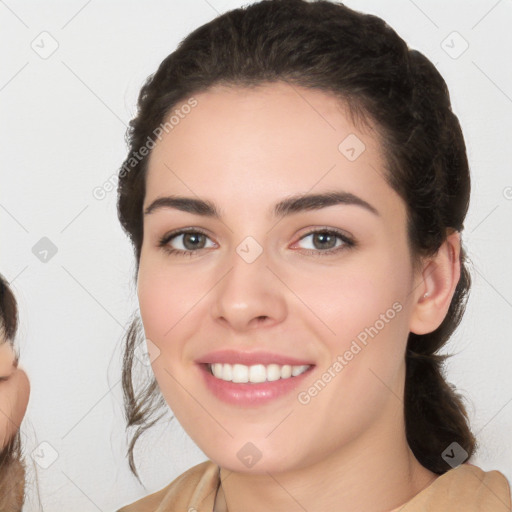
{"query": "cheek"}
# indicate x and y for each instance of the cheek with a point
(160, 297)
(156, 300)
(14, 396)
(364, 320)
(168, 299)
(348, 298)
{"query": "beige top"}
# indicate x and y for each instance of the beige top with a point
(466, 488)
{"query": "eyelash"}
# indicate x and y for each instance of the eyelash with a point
(348, 243)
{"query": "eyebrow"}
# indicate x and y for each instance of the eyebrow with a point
(290, 205)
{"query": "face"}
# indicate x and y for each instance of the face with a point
(14, 392)
(325, 284)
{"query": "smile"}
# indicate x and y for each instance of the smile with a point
(248, 386)
(241, 373)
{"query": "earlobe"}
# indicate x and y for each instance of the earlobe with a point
(434, 291)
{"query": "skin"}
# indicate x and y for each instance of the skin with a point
(14, 396)
(14, 393)
(246, 150)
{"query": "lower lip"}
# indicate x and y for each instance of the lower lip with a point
(246, 394)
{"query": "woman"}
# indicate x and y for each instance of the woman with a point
(14, 395)
(295, 193)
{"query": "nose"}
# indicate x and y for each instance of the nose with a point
(249, 296)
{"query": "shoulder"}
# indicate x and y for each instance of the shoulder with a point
(466, 488)
(195, 488)
(490, 489)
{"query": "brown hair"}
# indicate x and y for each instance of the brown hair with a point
(8, 311)
(362, 61)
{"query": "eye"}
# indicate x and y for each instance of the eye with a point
(191, 240)
(188, 241)
(325, 241)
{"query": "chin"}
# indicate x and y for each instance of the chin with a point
(252, 457)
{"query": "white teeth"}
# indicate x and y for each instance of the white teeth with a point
(227, 371)
(240, 373)
(255, 373)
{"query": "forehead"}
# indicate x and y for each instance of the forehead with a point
(248, 146)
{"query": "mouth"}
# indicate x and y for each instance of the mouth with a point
(256, 373)
(249, 386)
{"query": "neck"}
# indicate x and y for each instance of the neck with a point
(377, 472)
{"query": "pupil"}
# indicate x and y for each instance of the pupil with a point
(323, 237)
(187, 238)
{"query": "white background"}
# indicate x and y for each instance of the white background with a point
(63, 121)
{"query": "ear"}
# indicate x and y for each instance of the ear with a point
(438, 281)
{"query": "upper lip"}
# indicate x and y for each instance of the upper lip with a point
(230, 356)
